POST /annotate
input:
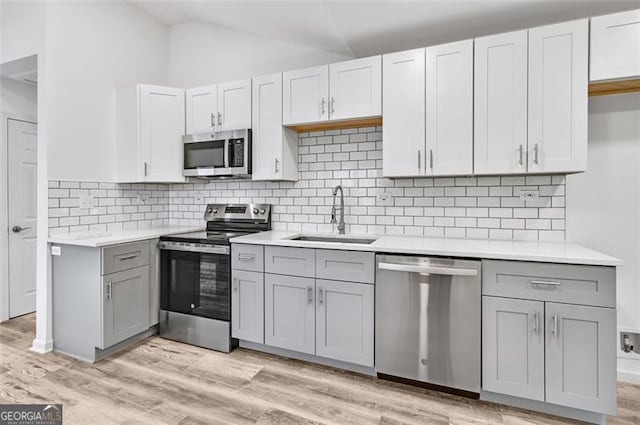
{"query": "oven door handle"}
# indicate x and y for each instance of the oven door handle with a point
(205, 249)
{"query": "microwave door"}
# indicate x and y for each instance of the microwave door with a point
(226, 170)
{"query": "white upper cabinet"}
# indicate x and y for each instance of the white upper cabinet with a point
(306, 95)
(403, 132)
(234, 105)
(275, 148)
(449, 109)
(615, 46)
(201, 109)
(150, 125)
(355, 88)
(500, 103)
(219, 107)
(558, 66)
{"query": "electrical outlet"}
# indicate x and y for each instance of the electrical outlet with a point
(56, 250)
(384, 198)
(529, 194)
(87, 202)
(143, 197)
(199, 197)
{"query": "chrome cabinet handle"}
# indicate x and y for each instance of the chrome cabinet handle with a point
(213, 121)
(536, 152)
(235, 285)
(545, 282)
(276, 165)
(109, 291)
(536, 319)
(309, 295)
(419, 160)
(320, 296)
(431, 159)
(219, 119)
(520, 155)
(146, 169)
(246, 257)
(333, 105)
(127, 257)
(18, 229)
(322, 110)
(554, 326)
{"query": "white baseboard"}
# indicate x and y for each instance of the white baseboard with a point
(629, 376)
(41, 347)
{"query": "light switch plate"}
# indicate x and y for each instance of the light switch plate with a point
(143, 197)
(56, 250)
(384, 198)
(529, 194)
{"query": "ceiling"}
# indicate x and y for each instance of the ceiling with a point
(363, 27)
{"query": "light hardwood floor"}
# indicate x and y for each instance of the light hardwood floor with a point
(165, 382)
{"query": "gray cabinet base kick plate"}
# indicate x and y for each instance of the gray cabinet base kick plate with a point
(308, 358)
(539, 406)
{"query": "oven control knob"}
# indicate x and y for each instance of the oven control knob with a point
(215, 211)
(255, 211)
(193, 306)
(262, 211)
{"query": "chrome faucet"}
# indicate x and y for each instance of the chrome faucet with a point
(333, 209)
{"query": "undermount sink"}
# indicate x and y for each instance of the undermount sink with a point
(333, 239)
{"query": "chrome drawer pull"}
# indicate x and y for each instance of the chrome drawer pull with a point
(545, 282)
(246, 257)
(127, 257)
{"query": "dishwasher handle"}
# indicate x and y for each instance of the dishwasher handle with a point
(428, 269)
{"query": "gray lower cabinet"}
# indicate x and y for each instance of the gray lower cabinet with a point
(289, 312)
(513, 347)
(154, 282)
(125, 305)
(345, 321)
(581, 357)
(247, 306)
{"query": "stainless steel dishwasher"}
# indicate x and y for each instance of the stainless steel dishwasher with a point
(428, 320)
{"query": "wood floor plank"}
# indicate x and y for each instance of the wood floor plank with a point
(164, 382)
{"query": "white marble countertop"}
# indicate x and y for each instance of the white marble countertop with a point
(550, 252)
(98, 239)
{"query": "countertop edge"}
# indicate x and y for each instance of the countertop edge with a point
(122, 237)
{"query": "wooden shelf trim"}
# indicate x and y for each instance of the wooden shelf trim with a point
(614, 87)
(337, 125)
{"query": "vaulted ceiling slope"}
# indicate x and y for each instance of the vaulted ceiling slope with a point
(362, 27)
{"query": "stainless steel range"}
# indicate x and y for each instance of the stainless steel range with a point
(195, 279)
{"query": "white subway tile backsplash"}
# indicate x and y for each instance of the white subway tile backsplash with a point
(475, 207)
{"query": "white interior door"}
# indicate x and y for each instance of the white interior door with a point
(22, 138)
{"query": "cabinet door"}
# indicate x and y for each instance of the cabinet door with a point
(306, 95)
(234, 105)
(355, 88)
(202, 109)
(500, 103)
(125, 305)
(289, 314)
(449, 109)
(615, 46)
(403, 106)
(344, 321)
(581, 357)
(513, 347)
(247, 306)
(558, 66)
(161, 129)
(275, 148)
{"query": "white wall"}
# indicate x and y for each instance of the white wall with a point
(603, 204)
(202, 54)
(94, 48)
(23, 26)
(18, 100)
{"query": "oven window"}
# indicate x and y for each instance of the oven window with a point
(196, 283)
(204, 154)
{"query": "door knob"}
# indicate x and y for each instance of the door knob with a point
(18, 229)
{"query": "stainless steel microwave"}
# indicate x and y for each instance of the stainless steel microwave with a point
(219, 154)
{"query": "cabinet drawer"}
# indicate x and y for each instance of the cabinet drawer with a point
(289, 261)
(350, 266)
(563, 283)
(124, 257)
(247, 257)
